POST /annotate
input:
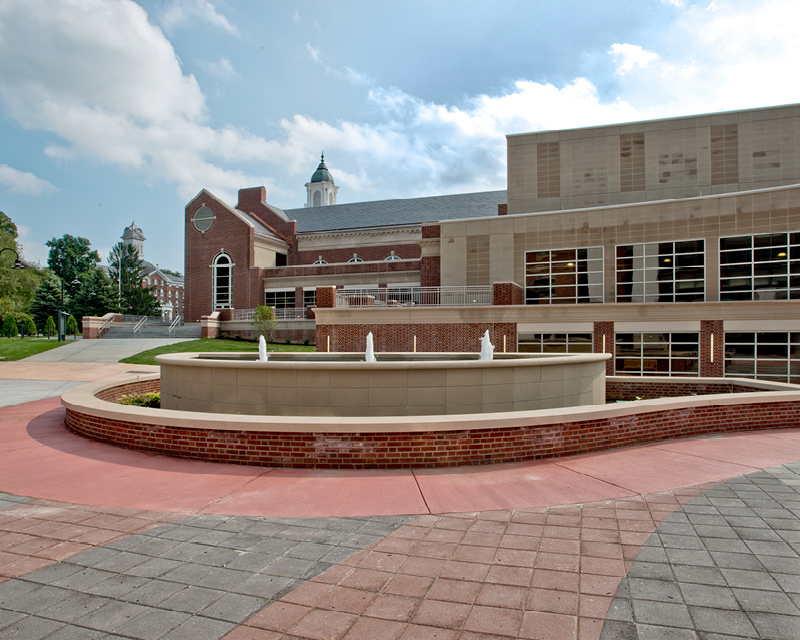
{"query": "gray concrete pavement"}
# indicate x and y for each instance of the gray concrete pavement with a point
(106, 350)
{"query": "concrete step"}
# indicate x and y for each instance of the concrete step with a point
(118, 331)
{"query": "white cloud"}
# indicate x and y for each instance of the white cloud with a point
(631, 55)
(719, 56)
(183, 12)
(314, 53)
(222, 69)
(31, 250)
(23, 182)
(296, 17)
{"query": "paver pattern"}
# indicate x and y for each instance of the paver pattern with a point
(724, 565)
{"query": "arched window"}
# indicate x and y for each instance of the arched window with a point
(355, 258)
(392, 256)
(317, 198)
(222, 285)
(320, 261)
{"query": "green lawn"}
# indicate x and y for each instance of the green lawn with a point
(206, 345)
(18, 348)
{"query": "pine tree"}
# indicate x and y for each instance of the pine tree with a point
(97, 294)
(137, 299)
(49, 327)
(30, 327)
(47, 299)
(10, 328)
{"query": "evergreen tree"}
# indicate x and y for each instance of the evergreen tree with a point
(49, 327)
(10, 328)
(30, 327)
(47, 299)
(97, 294)
(72, 325)
(127, 269)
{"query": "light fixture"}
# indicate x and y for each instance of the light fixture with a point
(782, 254)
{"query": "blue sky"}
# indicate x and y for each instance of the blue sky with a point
(113, 110)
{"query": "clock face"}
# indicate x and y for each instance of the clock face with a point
(203, 219)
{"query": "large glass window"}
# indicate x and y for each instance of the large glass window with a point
(767, 355)
(555, 343)
(309, 297)
(222, 286)
(661, 272)
(564, 276)
(759, 267)
(279, 299)
(657, 354)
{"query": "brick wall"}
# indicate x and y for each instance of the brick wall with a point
(710, 328)
(405, 251)
(430, 448)
(436, 338)
(506, 293)
(604, 329)
(228, 233)
(649, 389)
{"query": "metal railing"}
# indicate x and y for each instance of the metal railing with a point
(105, 326)
(177, 322)
(417, 296)
(140, 324)
(298, 313)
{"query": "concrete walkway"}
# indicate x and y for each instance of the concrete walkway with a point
(694, 538)
(106, 350)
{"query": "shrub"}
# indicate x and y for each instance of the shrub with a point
(10, 328)
(49, 327)
(30, 327)
(287, 341)
(264, 323)
(151, 399)
(306, 341)
(72, 326)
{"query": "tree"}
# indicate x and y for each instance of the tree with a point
(71, 258)
(30, 327)
(97, 294)
(264, 323)
(10, 328)
(72, 325)
(16, 285)
(49, 327)
(47, 299)
(127, 269)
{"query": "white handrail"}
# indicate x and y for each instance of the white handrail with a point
(415, 296)
(105, 326)
(175, 323)
(140, 324)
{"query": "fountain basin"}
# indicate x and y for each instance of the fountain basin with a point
(397, 384)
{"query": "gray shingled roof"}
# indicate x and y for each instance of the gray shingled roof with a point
(387, 213)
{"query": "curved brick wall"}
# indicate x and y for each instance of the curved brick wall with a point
(546, 434)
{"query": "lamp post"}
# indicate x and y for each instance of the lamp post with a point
(17, 262)
(62, 323)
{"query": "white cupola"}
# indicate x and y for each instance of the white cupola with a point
(321, 189)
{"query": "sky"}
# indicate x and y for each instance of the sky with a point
(113, 111)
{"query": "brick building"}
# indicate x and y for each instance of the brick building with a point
(672, 244)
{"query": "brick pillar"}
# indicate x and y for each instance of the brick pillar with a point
(430, 267)
(326, 297)
(507, 293)
(298, 298)
(605, 329)
(709, 369)
(502, 209)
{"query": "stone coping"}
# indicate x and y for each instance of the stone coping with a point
(348, 360)
(84, 400)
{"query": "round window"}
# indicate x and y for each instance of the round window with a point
(203, 219)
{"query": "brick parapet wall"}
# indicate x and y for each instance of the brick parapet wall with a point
(326, 297)
(506, 293)
(436, 338)
(374, 253)
(648, 389)
(431, 231)
(346, 268)
(430, 271)
(429, 448)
